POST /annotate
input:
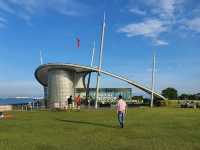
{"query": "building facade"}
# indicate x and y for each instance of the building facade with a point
(106, 93)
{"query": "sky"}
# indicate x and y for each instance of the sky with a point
(135, 29)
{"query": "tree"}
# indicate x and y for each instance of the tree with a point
(170, 93)
(190, 96)
(183, 96)
(197, 96)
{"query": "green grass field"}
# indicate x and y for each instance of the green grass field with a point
(146, 129)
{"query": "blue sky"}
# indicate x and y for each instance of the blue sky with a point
(134, 29)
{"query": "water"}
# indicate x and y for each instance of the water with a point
(15, 101)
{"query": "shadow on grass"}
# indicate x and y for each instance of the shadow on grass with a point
(87, 123)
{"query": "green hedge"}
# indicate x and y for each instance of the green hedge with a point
(173, 103)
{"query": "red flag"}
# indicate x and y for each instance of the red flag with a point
(78, 42)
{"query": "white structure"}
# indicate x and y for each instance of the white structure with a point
(60, 87)
(153, 79)
(5, 108)
(61, 80)
(100, 60)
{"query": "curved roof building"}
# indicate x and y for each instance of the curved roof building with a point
(62, 79)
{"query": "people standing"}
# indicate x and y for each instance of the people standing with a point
(69, 102)
(78, 102)
(121, 111)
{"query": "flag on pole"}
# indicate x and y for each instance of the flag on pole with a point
(78, 42)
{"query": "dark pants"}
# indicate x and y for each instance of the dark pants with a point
(121, 116)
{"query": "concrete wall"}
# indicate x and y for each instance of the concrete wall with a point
(60, 87)
(45, 92)
(61, 84)
(44, 103)
(78, 82)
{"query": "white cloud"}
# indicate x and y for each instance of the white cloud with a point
(2, 22)
(168, 7)
(138, 11)
(27, 5)
(5, 7)
(160, 42)
(68, 7)
(164, 8)
(149, 28)
(161, 17)
(193, 24)
(2, 25)
(26, 8)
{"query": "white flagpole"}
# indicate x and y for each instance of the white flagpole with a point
(93, 52)
(153, 78)
(41, 60)
(100, 61)
(89, 77)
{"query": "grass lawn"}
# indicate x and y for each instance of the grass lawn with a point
(145, 129)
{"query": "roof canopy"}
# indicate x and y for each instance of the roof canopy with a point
(41, 75)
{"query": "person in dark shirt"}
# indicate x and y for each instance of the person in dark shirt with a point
(70, 102)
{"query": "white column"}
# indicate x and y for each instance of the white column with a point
(153, 78)
(100, 62)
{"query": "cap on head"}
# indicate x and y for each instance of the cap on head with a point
(120, 97)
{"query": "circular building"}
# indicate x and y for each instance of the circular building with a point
(60, 82)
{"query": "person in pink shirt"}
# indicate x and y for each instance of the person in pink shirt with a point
(121, 111)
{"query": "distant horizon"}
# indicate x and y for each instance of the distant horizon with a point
(145, 95)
